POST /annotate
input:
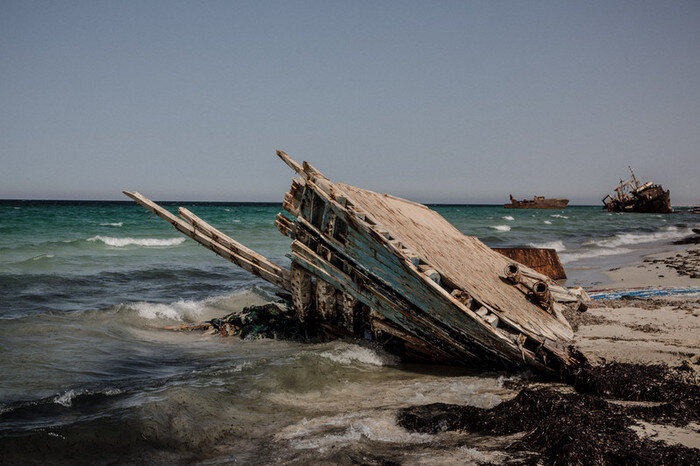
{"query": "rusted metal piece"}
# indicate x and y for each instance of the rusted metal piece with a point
(540, 291)
(544, 261)
(513, 274)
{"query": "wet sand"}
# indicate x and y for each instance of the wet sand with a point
(678, 268)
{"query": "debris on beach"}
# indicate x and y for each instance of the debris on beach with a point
(381, 268)
(270, 320)
(538, 202)
(633, 196)
(684, 263)
(582, 427)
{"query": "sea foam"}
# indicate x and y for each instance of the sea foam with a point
(500, 227)
(195, 310)
(146, 242)
(179, 310)
(575, 256)
(508, 217)
(114, 224)
(359, 354)
(623, 239)
(557, 245)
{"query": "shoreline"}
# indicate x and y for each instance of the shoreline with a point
(675, 268)
(632, 343)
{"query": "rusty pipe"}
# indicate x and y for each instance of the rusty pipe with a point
(541, 292)
(513, 274)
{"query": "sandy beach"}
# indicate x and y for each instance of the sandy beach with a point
(646, 330)
(640, 351)
(678, 268)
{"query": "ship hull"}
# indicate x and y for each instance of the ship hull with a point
(544, 204)
(652, 201)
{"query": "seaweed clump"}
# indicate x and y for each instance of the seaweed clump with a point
(636, 382)
(578, 428)
(266, 321)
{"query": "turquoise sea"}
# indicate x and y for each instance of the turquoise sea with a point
(86, 375)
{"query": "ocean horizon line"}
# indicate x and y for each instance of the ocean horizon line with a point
(9, 201)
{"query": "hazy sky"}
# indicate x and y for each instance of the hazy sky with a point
(434, 101)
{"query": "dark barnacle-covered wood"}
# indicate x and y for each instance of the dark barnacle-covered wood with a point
(374, 266)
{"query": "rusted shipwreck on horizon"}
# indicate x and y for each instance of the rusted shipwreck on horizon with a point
(374, 266)
(538, 202)
(633, 196)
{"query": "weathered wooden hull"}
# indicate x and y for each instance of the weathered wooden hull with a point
(374, 266)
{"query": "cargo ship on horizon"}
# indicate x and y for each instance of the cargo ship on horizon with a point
(539, 202)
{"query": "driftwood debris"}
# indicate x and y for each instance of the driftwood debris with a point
(378, 267)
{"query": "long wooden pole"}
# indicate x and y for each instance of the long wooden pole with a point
(279, 278)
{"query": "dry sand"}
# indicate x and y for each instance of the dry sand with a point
(641, 331)
(651, 330)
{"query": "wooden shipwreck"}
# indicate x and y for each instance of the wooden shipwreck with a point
(374, 266)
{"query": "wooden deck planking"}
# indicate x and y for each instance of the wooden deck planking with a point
(464, 260)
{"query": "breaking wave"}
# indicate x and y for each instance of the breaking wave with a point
(508, 217)
(547, 222)
(623, 239)
(575, 256)
(41, 257)
(558, 216)
(180, 310)
(114, 224)
(194, 310)
(146, 242)
(500, 227)
(66, 399)
(320, 433)
(557, 245)
(350, 354)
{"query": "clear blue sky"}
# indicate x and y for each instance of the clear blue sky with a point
(434, 101)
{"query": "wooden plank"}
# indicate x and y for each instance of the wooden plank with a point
(325, 300)
(290, 162)
(189, 231)
(285, 226)
(411, 318)
(462, 260)
(234, 246)
(373, 250)
(302, 293)
(307, 259)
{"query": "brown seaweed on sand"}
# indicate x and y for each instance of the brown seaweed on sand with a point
(581, 427)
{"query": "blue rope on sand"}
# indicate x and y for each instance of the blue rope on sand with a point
(644, 293)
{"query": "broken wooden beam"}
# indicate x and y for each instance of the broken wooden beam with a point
(278, 278)
(234, 246)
